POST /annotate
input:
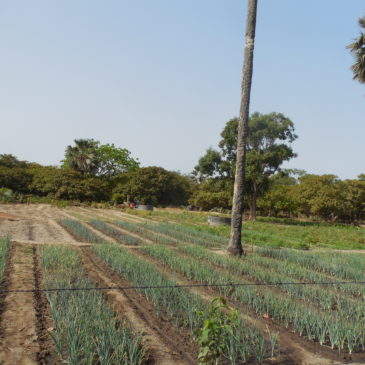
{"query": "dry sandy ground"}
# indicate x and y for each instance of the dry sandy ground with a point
(18, 342)
(35, 223)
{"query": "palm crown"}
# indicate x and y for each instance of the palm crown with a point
(358, 50)
(82, 156)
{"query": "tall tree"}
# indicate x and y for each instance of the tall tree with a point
(208, 165)
(235, 244)
(267, 148)
(357, 48)
(82, 156)
(266, 151)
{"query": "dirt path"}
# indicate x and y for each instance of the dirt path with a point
(37, 243)
(166, 345)
(19, 342)
(32, 211)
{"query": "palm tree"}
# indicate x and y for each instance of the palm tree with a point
(358, 50)
(235, 244)
(82, 157)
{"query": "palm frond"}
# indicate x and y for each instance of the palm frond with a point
(357, 48)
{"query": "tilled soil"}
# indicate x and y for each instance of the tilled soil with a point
(19, 340)
(33, 223)
(44, 324)
(166, 345)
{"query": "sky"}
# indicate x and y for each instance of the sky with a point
(162, 77)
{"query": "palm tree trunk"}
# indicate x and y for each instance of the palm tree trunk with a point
(253, 202)
(253, 208)
(235, 245)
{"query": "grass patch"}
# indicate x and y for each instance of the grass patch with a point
(270, 232)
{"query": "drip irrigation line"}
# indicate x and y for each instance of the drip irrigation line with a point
(148, 287)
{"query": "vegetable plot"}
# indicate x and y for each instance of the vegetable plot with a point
(4, 252)
(181, 306)
(80, 231)
(87, 331)
(115, 233)
(342, 329)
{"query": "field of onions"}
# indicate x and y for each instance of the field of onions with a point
(4, 251)
(332, 315)
(174, 271)
(181, 306)
(246, 343)
(79, 231)
(87, 330)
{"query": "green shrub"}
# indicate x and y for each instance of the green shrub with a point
(207, 200)
(16, 179)
(66, 184)
(7, 195)
(153, 185)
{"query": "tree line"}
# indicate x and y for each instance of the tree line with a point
(93, 172)
(269, 189)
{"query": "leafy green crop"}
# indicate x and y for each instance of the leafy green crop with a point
(4, 253)
(87, 330)
(180, 305)
(343, 328)
(115, 233)
(80, 231)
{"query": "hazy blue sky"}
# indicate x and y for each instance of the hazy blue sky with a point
(161, 77)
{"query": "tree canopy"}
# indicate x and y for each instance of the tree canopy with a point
(269, 136)
(93, 158)
(315, 196)
(82, 156)
(8, 160)
(153, 185)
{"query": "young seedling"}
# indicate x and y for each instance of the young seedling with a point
(219, 324)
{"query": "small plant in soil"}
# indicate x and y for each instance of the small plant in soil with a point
(220, 323)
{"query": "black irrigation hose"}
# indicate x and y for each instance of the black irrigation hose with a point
(143, 287)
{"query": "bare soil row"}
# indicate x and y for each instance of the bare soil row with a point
(26, 324)
(24, 319)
